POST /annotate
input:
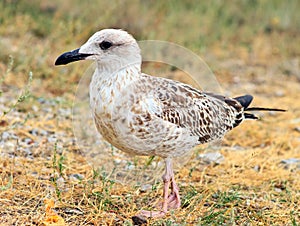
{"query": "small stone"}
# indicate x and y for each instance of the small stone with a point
(146, 187)
(236, 148)
(35, 108)
(9, 136)
(8, 147)
(64, 112)
(279, 93)
(256, 168)
(34, 132)
(43, 132)
(211, 157)
(297, 129)
(248, 202)
(139, 220)
(28, 141)
(272, 113)
(34, 174)
(5, 135)
(117, 161)
(27, 151)
(277, 189)
(291, 163)
(236, 79)
(74, 211)
(60, 182)
(76, 177)
(41, 100)
(295, 121)
(129, 167)
(52, 139)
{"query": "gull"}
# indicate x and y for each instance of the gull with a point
(145, 115)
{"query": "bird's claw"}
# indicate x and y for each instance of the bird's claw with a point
(152, 214)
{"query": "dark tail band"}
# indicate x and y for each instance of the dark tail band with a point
(245, 102)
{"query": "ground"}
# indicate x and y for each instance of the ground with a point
(252, 47)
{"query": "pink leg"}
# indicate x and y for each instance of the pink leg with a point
(174, 198)
(169, 201)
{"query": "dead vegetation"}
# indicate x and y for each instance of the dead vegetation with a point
(44, 178)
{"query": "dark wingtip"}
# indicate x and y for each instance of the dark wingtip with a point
(265, 109)
(245, 100)
(250, 116)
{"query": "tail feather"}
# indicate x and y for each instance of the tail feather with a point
(246, 100)
(264, 109)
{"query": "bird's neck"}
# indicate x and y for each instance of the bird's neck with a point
(111, 76)
(107, 84)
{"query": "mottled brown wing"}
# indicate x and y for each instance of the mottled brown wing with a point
(206, 115)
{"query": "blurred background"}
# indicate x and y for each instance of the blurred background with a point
(35, 32)
(251, 46)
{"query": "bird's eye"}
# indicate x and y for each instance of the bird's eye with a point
(105, 45)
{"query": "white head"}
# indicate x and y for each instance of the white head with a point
(108, 47)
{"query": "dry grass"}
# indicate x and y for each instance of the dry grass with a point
(252, 50)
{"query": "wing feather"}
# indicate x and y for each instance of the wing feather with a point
(205, 115)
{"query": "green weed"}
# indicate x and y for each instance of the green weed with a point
(25, 93)
(189, 196)
(58, 167)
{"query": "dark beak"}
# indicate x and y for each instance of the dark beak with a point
(69, 57)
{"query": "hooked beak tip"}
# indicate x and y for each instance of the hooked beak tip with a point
(71, 56)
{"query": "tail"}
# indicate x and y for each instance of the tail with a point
(246, 100)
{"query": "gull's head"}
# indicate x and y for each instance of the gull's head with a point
(108, 46)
